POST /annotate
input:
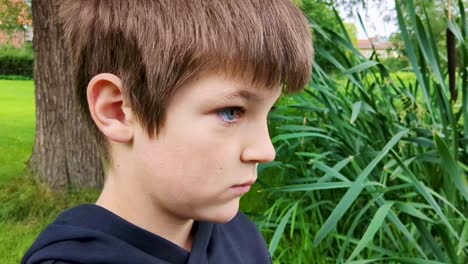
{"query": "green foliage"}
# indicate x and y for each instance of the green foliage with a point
(351, 29)
(371, 165)
(14, 15)
(396, 64)
(15, 77)
(15, 61)
(321, 13)
(435, 15)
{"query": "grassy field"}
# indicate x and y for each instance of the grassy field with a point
(16, 126)
(26, 207)
(16, 140)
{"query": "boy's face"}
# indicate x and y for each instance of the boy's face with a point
(214, 135)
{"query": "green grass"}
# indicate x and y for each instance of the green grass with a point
(15, 239)
(26, 206)
(16, 126)
(16, 142)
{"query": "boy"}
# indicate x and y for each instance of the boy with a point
(176, 93)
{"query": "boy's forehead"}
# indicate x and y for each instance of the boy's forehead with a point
(253, 94)
(227, 89)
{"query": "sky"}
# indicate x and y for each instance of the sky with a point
(374, 17)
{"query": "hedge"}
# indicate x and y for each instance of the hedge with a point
(18, 62)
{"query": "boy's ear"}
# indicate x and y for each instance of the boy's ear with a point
(108, 109)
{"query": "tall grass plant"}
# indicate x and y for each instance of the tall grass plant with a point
(372, 169)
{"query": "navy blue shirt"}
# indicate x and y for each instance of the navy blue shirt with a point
(91, 234)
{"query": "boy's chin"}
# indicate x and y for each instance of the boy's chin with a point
(222, 214)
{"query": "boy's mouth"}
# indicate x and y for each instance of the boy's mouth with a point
(243, 187)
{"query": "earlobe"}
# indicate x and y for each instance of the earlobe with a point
(108, 108)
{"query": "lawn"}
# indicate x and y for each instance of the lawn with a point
(16, 126)
(16, 142)
(26, 207)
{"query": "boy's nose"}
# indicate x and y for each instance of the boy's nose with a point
(258, 147)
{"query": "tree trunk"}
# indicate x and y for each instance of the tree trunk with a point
(63, 154)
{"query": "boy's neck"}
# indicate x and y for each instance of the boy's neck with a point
(130, 204)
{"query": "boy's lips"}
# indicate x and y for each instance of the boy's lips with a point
(247, 183)
(243, 187)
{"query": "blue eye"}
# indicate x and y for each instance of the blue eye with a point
(230, 114)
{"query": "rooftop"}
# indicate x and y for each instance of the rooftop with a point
(367, 44)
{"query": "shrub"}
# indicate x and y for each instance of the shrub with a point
(396, 64)
(15, 61)
(15, 77)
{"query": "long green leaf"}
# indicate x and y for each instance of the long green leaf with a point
(300, 135)
(421, 188)
(354, 191)
(413, 59)
(334, 171)
(450, 166)
(463, 242)
(360, 67)
(397, 260)
(373, 227)
(356, 110)
(456, 31)
(427, 237)
(300, 128)
(280, 230)
(408, 208)
(321, 186)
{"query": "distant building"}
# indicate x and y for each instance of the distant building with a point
(16, 39)
(383, 48)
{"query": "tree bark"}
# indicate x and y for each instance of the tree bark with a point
(63, 155)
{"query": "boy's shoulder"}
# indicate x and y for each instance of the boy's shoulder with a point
(91, 234)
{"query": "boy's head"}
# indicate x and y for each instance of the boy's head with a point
(177, 91)
(155, 47)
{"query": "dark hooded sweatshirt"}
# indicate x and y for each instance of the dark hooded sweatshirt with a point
(91, 234)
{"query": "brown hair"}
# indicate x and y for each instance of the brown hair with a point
(157, 46)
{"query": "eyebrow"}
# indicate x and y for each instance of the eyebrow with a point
(244, 94)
